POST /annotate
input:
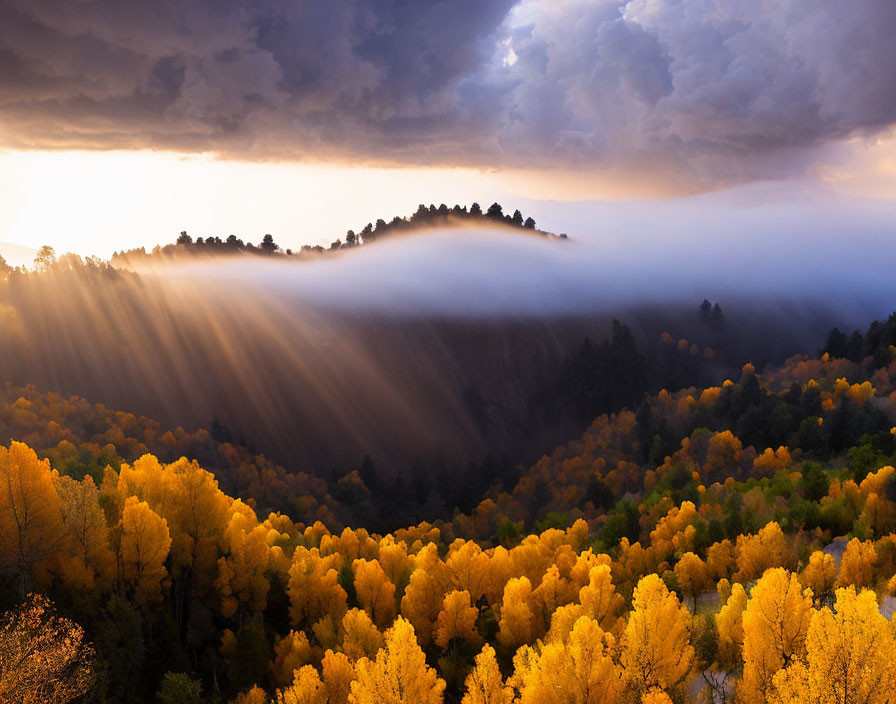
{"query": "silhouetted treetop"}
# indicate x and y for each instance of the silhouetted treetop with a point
(425, 216)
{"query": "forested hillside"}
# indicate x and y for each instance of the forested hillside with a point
(724, 543)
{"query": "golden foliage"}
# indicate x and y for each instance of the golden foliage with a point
(517, 623)
(31, 525)
(775, 624)
(656, 645)
(376, 594)
(361, 636)
(143, 549)
(457, 619)
(580, 671)
(849, 657)
(484, 684)
(399, 674)
(44, 658)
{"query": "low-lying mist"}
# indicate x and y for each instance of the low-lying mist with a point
(743, 245)
(434, 345)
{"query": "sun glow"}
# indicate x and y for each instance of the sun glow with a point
(100, 202)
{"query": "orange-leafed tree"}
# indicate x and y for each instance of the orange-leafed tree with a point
(144, 542)
(44, 657)
(399, 674)
(241, 580)
(338, 673)
(692, 575)
(849, 656)
(422, 600)
(307, 688)
(730, 626)
(657, 652)
(376, 594)
(457, 620)
(517, 623)
(820, 575)
(361, 638)
(313, 588)
(291, 653)
(757, 553)
(581, 671)
(775, 624)
(484, 684)
(87, 562)
(857, 565)
(31, 526)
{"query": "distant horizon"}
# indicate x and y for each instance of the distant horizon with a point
(86, 225)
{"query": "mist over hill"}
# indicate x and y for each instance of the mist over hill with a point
(443, 345)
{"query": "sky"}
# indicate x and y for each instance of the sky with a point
(124, 122)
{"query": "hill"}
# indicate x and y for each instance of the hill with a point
(680, 520)
(423, 218)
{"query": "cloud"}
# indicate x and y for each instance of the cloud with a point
(705, 92)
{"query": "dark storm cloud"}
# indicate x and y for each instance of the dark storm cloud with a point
(711, 90)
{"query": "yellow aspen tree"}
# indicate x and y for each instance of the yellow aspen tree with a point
(457, 620)
(553, 591)
(469, 568)
(517, 623)
(31, 525)
(313, 588)
(143, 549)
(656, 646)
(723, 589)
(720, 559)
(562, 622)
(399, 674)
(337, 672)
(692, 575)
(757, 553)
(790, 685)
(376, 594)
(361, 638)
(723, 454)
(857, 565)
(291, 653)
(395, 561)
(819, 575)
(585, 561)
(307, 688)
(499, 572)
(772, 461)
(199, 513)
(581, 671)
(196, 510)
(849, 656)
(775, 624)
(599, 598)
(423, 597)
(88, 562)
(730, 625)
(327, 632)
(484, 684)
(241, 579)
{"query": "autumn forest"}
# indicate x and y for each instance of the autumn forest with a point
(712, 521)
(447, 352)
